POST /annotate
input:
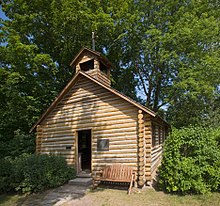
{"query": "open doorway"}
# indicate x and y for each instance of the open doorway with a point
(84, 151)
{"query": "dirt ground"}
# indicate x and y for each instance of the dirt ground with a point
(148, 197)
(70, 195)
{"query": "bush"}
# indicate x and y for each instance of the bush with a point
(6, 171)
(32, 173)
(191, 161)
(38, 172)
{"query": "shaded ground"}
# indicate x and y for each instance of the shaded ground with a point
(58, 196)
(69, 195)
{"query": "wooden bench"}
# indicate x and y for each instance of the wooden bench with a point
(115, 173)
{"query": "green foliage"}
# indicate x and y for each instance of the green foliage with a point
(6, 171)
(38, 172)
(19, 144)
(191, 161)
(32, 173)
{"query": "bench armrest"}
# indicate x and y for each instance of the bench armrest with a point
(98, 173)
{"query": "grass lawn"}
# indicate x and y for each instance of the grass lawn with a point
(115, 197)
(11, 199)
(150, 197)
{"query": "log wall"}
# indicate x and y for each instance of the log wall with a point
(89, 106)
(157, 148)
(148, 145)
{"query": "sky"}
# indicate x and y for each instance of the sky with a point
(2, 14)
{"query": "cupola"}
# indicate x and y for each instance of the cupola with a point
(94, 64)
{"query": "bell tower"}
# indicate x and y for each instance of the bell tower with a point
(94, 64)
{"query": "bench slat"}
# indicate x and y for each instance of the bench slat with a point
(117, 173)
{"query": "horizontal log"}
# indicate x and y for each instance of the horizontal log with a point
(58, 152)
(147, 124)
(155, 160)
(113, 142)
(49, 145)
(148, 141)
(113, 161)
(156, 149)
(156, 155)
(95, 125)
(148, 155)
(92, 112)
(155, 166)
(115, 131)
(117, 135)
(78, 94)
(58, 140)
(90, 119)
(97, 166)
(55, 148)
(118, 147)
(147, 173)
(120, 136)
(119, 151)
(95, 130)
(91, 102)
(148, 136)
(122, 155)
(148, 178)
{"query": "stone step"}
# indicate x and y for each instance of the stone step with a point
(81, 181)
(81, 175)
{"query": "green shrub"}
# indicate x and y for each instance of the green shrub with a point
(191, 161)
(6, 170)
(32, 173)
(37, 172)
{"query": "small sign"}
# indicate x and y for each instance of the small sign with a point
(69, 147)
(103, 145)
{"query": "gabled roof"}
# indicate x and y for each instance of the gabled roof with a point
(101, 58)
(73, 81)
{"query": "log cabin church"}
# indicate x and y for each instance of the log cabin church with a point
(92, 125)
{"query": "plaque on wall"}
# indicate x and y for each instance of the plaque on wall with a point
(103, 145)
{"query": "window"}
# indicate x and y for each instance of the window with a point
(103, 68)
(103, 145)
(88, 65)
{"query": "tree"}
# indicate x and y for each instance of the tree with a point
(172, 48)
(38, 42)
